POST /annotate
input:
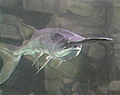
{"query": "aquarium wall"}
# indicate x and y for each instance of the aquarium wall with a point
(96, 71)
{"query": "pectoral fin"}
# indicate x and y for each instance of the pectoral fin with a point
(36, 58)
(47, 62)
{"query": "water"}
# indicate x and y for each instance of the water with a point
(94, 72)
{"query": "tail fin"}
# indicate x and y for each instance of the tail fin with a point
(10, 61)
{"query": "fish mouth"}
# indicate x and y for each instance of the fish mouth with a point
(74, 46)
(69, 52)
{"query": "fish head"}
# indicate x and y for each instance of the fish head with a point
(64, 50)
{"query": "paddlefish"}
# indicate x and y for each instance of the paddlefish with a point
(60, 44)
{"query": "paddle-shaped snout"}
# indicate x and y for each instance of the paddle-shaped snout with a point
(80, 40)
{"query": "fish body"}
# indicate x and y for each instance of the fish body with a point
(51, 41)
(58, 43)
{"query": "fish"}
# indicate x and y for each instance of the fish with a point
(59, 44)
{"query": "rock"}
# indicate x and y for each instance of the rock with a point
(49, 6)
(54, 88)
(66, 80)
(93, 51)
(116, 3)
(117, 58)
(116, 38)
(68, 69)
(114, 28)
(81, 8)
(9, 31)
(116, 21)
(116, 46)
(13, 28)
(1, 92)
(114, 86)
(9, 28)
(8, 3)
(104, 89)
(75, 86)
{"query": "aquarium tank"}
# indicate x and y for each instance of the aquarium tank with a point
(59, 47)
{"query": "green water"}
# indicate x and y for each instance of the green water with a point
(96, 71)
